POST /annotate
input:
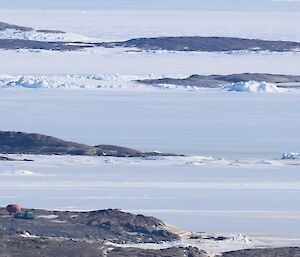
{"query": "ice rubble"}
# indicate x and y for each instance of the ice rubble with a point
(115, 81)
(74, 81)
(253, 87)
(290, 156)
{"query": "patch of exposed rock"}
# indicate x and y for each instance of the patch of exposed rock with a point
(7, 159)
(275, 252)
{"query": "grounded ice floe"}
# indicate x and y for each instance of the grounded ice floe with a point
(253, 87)
(290, 156)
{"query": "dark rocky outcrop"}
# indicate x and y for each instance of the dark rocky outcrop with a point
(207, 44)
(275, 252)
(15, 44)
(38, 144)
(101, 226)
(186, 43)
(199, 44)
(20, 247)
(7, 159)
(171, 252)
(214, 81)
(4, 26)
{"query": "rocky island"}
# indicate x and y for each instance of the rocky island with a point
(38, 144)
(187, 43)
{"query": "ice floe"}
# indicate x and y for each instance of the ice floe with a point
(253, 87)
(291, 156)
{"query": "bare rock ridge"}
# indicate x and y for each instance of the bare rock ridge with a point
(199, 44)
(276, 252)
(186, 43)
(5, 26)
(54, 233)
(15, 44)
(214, 81)
(37, 144)
(102, 226)
(207, 44)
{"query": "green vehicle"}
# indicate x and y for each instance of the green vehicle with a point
(24, 215)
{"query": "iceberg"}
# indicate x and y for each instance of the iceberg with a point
(254, 86)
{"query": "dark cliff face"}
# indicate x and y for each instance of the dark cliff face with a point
(38, 144)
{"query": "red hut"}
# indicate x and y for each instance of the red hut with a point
(13, 208)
